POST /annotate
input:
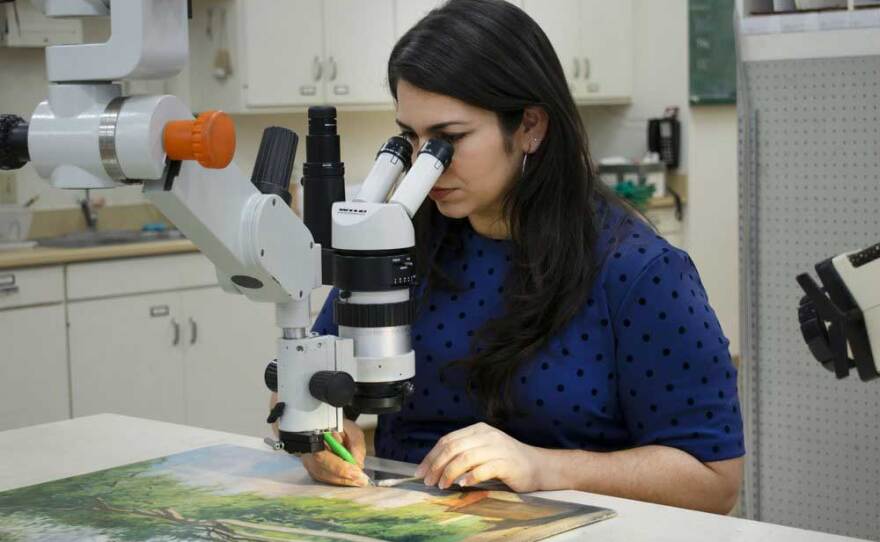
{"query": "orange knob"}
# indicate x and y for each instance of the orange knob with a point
(209, 139)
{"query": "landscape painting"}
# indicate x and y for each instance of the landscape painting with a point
(233, 493)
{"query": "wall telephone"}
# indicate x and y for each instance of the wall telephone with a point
(664, 137)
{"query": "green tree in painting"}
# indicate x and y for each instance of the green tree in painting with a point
(137, 502)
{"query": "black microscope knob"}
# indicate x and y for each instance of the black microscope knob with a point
(335, 388)
(270, 376)
(13, 142)
(274, 163)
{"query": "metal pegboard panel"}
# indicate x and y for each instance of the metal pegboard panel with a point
(810, 153)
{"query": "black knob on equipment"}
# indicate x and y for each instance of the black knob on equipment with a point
(274, 162)
(335, 388)
(270, 375)
(276, 412)
(13, 142)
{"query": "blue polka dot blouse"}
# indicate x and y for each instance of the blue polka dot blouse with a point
(645, 361)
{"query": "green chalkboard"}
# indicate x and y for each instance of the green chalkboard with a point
(712, 52)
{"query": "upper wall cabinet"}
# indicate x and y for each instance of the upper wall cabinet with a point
(283, 55)
(409, 12)
(359, 37)
(277, 55)
(593, 39)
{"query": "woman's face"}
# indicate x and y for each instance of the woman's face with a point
(483, 166)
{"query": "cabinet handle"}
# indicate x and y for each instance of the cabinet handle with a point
(317, 68)
(7, 284)
(332, 75)
(587, 68)
(176, 327)
(577, 68)
(193, 331)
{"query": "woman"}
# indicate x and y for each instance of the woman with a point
(562, 344)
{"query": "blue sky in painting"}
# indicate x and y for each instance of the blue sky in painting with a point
(235, 461)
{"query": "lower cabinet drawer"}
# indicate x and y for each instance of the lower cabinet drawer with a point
(31, 286)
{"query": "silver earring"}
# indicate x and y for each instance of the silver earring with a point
(526, 155)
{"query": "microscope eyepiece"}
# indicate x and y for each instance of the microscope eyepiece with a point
(401, 148)
(433, 159)
(394, 157)
(439, 149)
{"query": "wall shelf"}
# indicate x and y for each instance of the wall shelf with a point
(811, 21)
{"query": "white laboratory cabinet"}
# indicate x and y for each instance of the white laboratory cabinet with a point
(285, 55)
(593, 40)
(33, 343)
(265, 56)
(162, 341)
(408, 12)
(229, 342)
(127, 355)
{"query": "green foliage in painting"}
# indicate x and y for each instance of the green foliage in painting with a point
(133, 503)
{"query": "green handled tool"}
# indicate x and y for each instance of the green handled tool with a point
(338, 448)
(342, 452)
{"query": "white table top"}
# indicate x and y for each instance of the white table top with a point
(41, 453)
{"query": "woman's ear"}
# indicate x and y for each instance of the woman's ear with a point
(533, 128)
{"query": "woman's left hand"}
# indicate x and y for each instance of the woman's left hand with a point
(481, 452)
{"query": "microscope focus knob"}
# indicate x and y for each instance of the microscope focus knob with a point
(209, 139)
(274, 162)
(270, 375)
(335, 388)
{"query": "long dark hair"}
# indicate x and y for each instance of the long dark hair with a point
(490, 54)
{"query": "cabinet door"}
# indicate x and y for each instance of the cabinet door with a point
(607, 50)
(229, 341)
(357, 53)
(561, 20)
(408, 12)
(33, 372)
(283, 44)
(126, 356)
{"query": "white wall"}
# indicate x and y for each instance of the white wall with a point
(713, 209)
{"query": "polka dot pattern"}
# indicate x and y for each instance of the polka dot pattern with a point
(644, 362)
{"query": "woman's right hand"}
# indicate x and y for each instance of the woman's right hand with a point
(325, 466)
(328, 467)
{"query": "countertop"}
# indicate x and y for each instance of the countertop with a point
(30, 257)
(121, 218)
(665, 202)
(27, 456)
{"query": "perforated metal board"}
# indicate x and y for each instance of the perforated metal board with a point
(810, 168)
